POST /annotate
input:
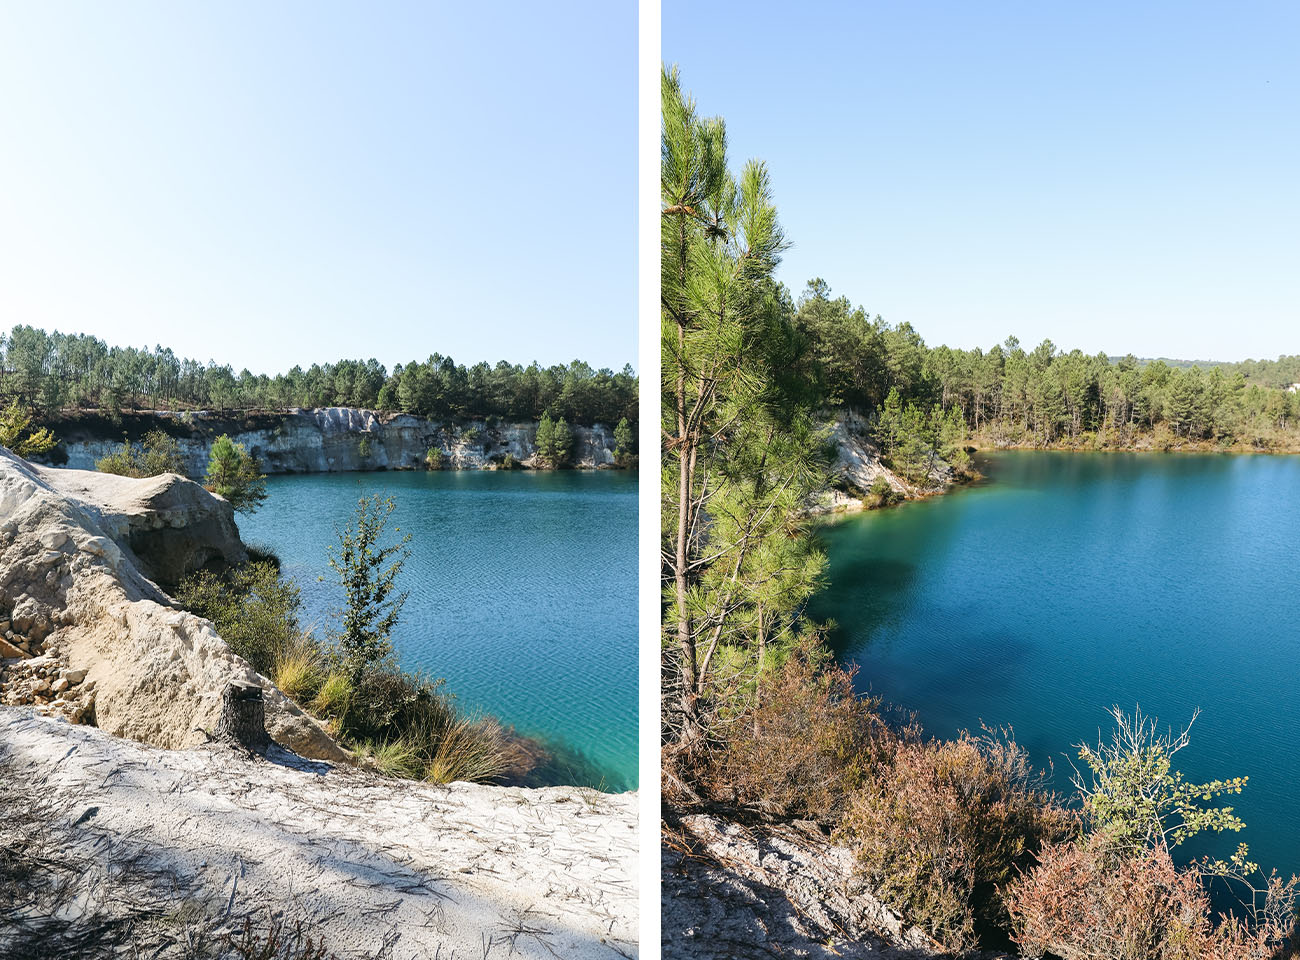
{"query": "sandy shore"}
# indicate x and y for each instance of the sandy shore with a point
(373, 866)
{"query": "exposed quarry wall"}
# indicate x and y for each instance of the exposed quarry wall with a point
(331, 439)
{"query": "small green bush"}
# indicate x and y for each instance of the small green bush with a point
(156, 454)
(882, 494)
(420, 724)
(254, 610)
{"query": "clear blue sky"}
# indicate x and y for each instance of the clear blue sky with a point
(276, 183)
(1114, 176)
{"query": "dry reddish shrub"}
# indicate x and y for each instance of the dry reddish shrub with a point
(939, 831)
(1083, 903)
(805, 742)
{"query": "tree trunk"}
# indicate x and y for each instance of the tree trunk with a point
(243, 717)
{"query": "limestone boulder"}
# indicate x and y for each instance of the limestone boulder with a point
(81, 556)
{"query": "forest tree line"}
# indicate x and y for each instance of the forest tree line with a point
(1044, 395)
(52, 373)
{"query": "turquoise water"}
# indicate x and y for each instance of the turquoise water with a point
(1070, 582)
(522, 590)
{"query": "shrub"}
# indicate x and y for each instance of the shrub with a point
(157, 454)
(942, 827)
(254, 611)
(882, 494)
(434, 458)
(1135, 798)
(419, 722)
(804, 744)
(17, 433)
(1086, 902)
(120, 462)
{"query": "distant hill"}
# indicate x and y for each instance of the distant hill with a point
(1282, 372)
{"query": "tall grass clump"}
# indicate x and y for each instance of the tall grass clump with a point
(413, 725)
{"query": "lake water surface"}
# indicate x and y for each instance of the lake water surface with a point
(522, 590)
(1069, 582)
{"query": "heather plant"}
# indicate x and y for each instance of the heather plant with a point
(943, 826)
(1088, 901)
(803, 744)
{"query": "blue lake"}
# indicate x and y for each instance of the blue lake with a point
(1069, 582)
(523, 594)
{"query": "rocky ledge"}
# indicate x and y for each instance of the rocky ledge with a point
(81, 556)
(329, 440)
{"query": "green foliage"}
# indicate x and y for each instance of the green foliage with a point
(435, 459)
(363, 447)
(367, 569)
(882, 494)
(508, 462)
(55, 370)
(554, 442)
(1134, 798)
(254, 610)
(624, 442)
(742, 453)
(156, 454)
(17, 433)
(412, 728)
(233, 473)
(1044, 396)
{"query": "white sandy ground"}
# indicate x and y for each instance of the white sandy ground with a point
(375, 866)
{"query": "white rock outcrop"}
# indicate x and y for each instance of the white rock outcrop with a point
(344, 439)
(77, 551)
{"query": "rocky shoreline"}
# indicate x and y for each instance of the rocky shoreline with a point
(328, 440)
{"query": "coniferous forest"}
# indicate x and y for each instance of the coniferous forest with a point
(53, 373)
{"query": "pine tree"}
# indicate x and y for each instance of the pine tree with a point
(546, 440)
(563, 444)
(367, 570)
(624, 442)
(741, 454)
(233, 473)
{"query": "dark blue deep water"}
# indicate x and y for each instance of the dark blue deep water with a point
(523, 593)
(1068, 582)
